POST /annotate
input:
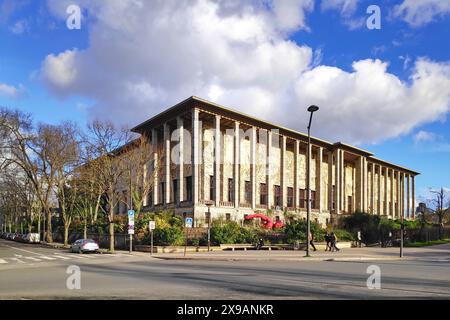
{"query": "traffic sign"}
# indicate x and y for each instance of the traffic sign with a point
(151, 225)
(188, 223)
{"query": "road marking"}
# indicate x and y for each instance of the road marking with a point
(33, 258)
(74, 256)
(3, 261)
(17, 259)
(61, 257)
(28, 251)
(47, 258)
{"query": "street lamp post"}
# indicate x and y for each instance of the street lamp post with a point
(311, 110)
(209, 204)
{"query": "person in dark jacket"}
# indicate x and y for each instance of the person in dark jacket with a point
(311, 241)
(328, 241)
(333, 242)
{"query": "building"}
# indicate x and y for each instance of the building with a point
(241, 164)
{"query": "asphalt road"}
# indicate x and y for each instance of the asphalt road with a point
(32, 272)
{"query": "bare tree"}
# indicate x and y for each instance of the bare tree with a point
(64, 148)
(108, 142)
(440, 206)
(33, 152)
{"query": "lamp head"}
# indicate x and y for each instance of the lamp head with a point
(313, 108)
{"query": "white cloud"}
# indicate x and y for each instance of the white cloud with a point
(420, 12)
(424, 136)
(426, 141)
(346, 7)
(144, 57)
(9, 91)
(19, 27)
(347, 10)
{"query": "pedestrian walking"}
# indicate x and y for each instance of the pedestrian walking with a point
(311, 241)
(333, 242)
(359, 240)
(328, 241)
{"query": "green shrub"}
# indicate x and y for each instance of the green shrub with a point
(297, 230)
(228, 232)
(343, 235)
(168, 235)
(366, 223)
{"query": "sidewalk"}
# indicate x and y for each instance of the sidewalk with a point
(432, 253)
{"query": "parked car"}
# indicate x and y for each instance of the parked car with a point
(84, 245)
(32, 238)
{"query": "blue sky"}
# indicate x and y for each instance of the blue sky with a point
(128, 62)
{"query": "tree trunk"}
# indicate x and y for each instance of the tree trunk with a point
(39, 224)
(111, 236)
(66, 234)
(85, 229)
(49, 226)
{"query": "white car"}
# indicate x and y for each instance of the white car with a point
(84, 245)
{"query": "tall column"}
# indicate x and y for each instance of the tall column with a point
(330, 181)
(413, 198)
(360, 177)
(180, 127)
(379, 191)
(237, 149)
(269, 170)
(283, 185)
(392, 213)
(253, 166)
(319, 179)
(167, 161)
(342, 179)
(386, 203)
(217, 163)
(408, 198)
(402, 194)
(195, 155)
(398, 194)
(155, 171)
(296, 178)
(372, 189)
(366, 178)
(337, 182)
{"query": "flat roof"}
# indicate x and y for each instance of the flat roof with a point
(187, 104)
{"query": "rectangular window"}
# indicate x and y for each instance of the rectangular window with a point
(248, 192)
(175, 190)
(313, 199)
(290, 197)
(150, 198)
(263, 194)
(302, 198)
(350, 204)
(212, 188)
(163, 192)
(189, 188)
(230, 189)
(332, 197)
(277, 196)
(227, 217)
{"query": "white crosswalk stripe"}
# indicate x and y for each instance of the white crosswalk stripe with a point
(3, 261)
(61, 257)
(47, 258)
(17, 259)
(33, 258)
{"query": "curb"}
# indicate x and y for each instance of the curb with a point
(340, 259)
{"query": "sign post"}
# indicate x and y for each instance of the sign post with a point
(131, 227)
(187, 225)
(151, 227)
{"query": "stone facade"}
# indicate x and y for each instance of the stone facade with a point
(240, 165)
